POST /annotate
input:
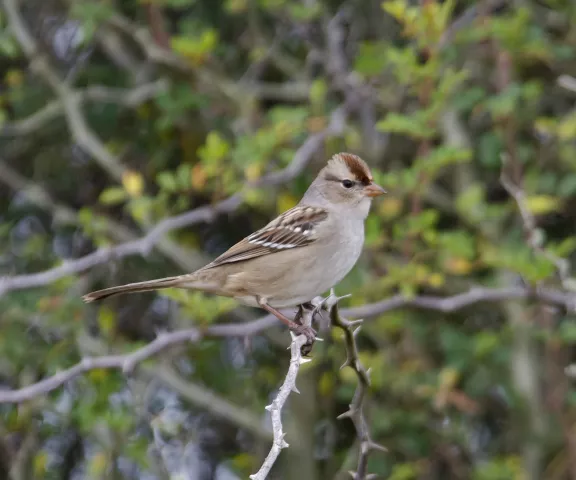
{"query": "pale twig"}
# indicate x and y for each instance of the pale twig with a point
(355, 411)
(275, 408)
(568, 82)
(462, 300)
(206, 213)
(125, 362)
(129, 97)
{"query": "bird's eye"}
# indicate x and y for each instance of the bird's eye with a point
(347, 183)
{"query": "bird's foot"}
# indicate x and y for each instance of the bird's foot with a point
(310, 335)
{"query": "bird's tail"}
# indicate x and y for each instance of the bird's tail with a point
(134, 288)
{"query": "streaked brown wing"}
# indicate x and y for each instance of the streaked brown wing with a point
(294, 228)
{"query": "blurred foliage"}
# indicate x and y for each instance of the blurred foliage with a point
(442, 99)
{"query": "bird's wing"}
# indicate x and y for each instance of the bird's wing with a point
(294, 228)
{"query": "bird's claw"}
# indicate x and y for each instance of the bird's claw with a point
(310, 335)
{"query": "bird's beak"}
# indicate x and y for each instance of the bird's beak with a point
(374, 190)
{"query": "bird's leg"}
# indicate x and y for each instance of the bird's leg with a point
(300, 313)
(297, 328)
(303, 309)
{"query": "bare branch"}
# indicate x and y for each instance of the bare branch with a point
(568, 82)
(275, 408)
(130, 97)
(144, 245)
(61, 213)
(128, 362)
(462, 300)
(79, 128)
(356, 408)
(124, 362)
(534, 236)
(206, 399)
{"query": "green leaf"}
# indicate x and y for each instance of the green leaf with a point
(167, 181)
(215, 148)
(371, 58)
(490, 148)
(567, 186)
(318, 91)
(542, 204)
(195, 48)
(183, 176)
(113, 196)
(466, 100)
(415, 125)
(106, 320)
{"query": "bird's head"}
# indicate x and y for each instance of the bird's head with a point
(347, 181)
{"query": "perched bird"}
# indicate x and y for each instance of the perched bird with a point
(301, 254)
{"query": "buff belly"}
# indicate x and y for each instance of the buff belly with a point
(288, 284)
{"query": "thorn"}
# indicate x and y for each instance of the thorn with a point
(333, 299)
(269, 407)
(318, 339)
(316, 301)
(295, 389)
(305, 360)
(345, 364)
(358, 321)
(371, 476)
(376, 446)
(356, 331)
(292, 335)
(346, 414)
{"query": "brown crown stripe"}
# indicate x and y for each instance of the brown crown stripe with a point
(358, 167)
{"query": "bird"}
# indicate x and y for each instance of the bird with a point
(299, 255)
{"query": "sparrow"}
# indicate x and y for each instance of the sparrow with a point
(298, 256)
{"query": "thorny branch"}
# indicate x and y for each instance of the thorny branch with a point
(356, 408)
(275, 408)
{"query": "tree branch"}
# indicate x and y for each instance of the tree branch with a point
(126, 97)
(71, 105)
(128, 362)
(275, 408)
(534, 236)
(356, 408)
